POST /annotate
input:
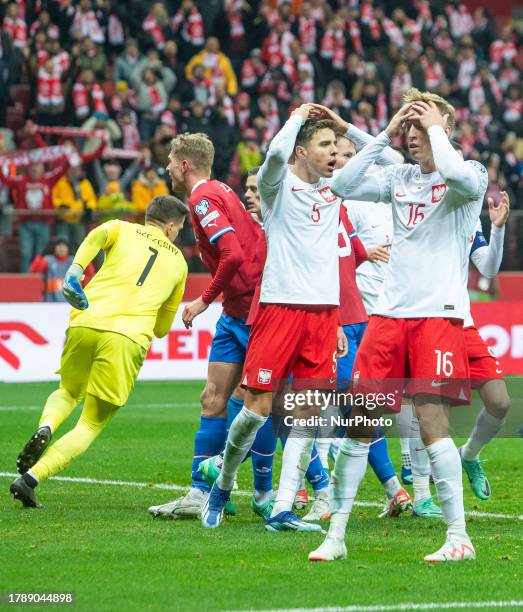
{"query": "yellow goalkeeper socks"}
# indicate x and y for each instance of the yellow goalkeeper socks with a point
(95, 415)
(58, 407)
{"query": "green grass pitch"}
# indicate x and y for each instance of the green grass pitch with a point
(98, 541)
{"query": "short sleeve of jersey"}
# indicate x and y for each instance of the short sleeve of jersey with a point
(482, 175)
(175, 299)
(385, 177)
(211, 217)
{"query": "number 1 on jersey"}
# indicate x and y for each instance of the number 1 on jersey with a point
(148, 267)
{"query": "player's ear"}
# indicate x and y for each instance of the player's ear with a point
(299, 152)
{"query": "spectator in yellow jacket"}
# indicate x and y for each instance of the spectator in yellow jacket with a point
(74, 199)
(147, 186)
(217, 65)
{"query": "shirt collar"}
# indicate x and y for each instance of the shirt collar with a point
(197, 184)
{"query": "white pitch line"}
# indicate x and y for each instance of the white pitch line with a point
(175, 487)
(445, 605)
(128, 406)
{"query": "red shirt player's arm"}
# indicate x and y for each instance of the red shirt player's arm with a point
(360, 252)
(231, 258)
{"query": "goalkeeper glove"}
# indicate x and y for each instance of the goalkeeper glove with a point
(73, 291)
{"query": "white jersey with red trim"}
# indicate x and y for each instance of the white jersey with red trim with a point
(432, 229)
(301, 225)
(373, 222)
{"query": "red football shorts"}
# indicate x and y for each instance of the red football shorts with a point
(483, 364)
(287, 339)
(423, 355)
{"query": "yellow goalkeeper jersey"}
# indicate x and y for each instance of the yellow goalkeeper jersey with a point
(142, 272)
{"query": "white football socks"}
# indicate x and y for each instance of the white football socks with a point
(295, 461)
(486, 427)
(242, 432)
(349, 469)
(322, 446)
(403, 421)
(446, 468)
(420, 463)
(392, 486)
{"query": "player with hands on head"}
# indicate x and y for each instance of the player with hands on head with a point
(416, 329)
(296, 326)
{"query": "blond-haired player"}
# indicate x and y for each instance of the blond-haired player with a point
(134, 296)
(416, 329)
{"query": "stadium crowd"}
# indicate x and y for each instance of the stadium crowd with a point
(145, 71)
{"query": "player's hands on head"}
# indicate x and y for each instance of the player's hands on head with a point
(427, 113)
(192, 310)
(72, 289)
(379, 253)
(322, 112)
(499, 211)
(342, 346)
(306, 111)
(398, 121)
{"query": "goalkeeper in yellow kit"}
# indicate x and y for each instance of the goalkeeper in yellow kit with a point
(134, 295)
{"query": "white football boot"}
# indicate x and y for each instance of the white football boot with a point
(331, 549)
(320, 510)
(188, 506)
(456, 548)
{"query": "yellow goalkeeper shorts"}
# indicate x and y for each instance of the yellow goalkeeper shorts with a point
(102, 363)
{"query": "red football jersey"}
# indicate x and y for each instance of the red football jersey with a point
(216, 210)
(351, 253)
(261, 253)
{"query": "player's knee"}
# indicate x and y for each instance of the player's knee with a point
(70, 393)
(212, 403)
(499, 408)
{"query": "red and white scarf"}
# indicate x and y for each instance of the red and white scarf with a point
(433, 72)
(250, 72)
(477, 95)
(49, 89)
(355, 36)
(269, 109)
(153, 28)
(513, 110)
(60, 61)
(17, 30)
(399, 85)
(130, 137)
(87, 25)
(115, 31)
(501, 50)
(193, 30)
(158, 104)
(81, 100)
(307, 34)
(393, 32)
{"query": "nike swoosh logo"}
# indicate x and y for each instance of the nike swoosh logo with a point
(420, 449)
(375, 226)
(439, 384)
(297, 189)
(400, 195)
